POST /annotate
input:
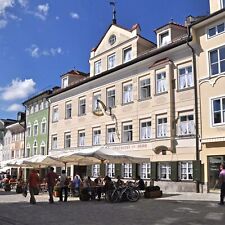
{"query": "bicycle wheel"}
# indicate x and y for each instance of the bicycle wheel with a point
(115, 197)
(133, 195)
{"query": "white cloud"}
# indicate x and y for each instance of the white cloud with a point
(15, 108)
(74, 15)
(18, 89)
(57, 17)
(4, 4)
(23, 3)
(3, 23)
(36, 52)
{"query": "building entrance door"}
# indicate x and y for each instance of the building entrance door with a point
(80, 170)
(214, 170)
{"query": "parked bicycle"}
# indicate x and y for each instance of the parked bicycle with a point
(119, 194)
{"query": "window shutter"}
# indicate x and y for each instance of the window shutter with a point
(196, 170)
(174, 171)
(118, 171)
(134, 170)
(102, 170)
(154, 170)
(89, 170)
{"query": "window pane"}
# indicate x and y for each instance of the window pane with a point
(216, 105)
(222, 66)
(214, 69)
(222, 53)
(213, 56)
(212, 31)
(220, 28)
(217, 117)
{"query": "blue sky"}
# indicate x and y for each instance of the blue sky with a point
(40, 40)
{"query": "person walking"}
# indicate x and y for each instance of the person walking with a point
(51, 179)
(33, 182)
(64, 182)
(222, 183)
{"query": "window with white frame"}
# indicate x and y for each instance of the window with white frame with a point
(31, 109)
(127, 170)
(217, 61)
(98, 67)
(45, 104)
(111, 134)
(68, 110)
(82, 106)
(96, 136)
(127, 132)
(127, 93)
(164, 38)
(67, 140)
(186, 170)
(65, 82)
(186, 124)
(96, 97)
(222, 4)
(110, 169)
(145, 170)
(111, 61)
(36, 108)
(55, 114)
(111, 97)
(185, 77)
(81, 137)
(35, 128)
(54, 141)
(42, 148)
(145, 129)
(41, 105)
(161, 126)
(218, 111)
(35, 148)
(43, 126)
(96, 170)
(127, 54)
(29, 130)
(164, 171)
(216, 30)
(145, 88)
(161, 83)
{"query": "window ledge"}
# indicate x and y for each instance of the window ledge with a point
(128, 103)
(69, 118)
(162, 93)
(185, 89)
(145, 99)
(82, 115)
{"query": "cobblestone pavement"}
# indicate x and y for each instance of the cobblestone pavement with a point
(175, 208)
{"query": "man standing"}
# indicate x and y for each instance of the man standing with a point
(51, 181)
(64, 182)
(222, 183)
(33, 182)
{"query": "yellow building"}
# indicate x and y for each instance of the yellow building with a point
(148, 91)
(209, 45)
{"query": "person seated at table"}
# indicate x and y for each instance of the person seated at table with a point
(108, 184)
(119, 182)
(98, 183)
(76, 184)
(140, 183)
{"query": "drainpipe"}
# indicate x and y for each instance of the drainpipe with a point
(48, 132)
(196, 100)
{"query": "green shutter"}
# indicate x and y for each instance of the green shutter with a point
(134, 170)
(118, 171)
(102, 170)
(154, 170)
(174, 171)
(89, 170)
(196, 170)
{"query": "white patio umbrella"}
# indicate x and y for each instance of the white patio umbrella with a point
(108, 155)
(96, 155)
(40, 161)
(72, 157)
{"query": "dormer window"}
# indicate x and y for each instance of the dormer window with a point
(98, 66)
(164, 38)
(65, 82)
(111, 61)
(112, 39)
(127, 54)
